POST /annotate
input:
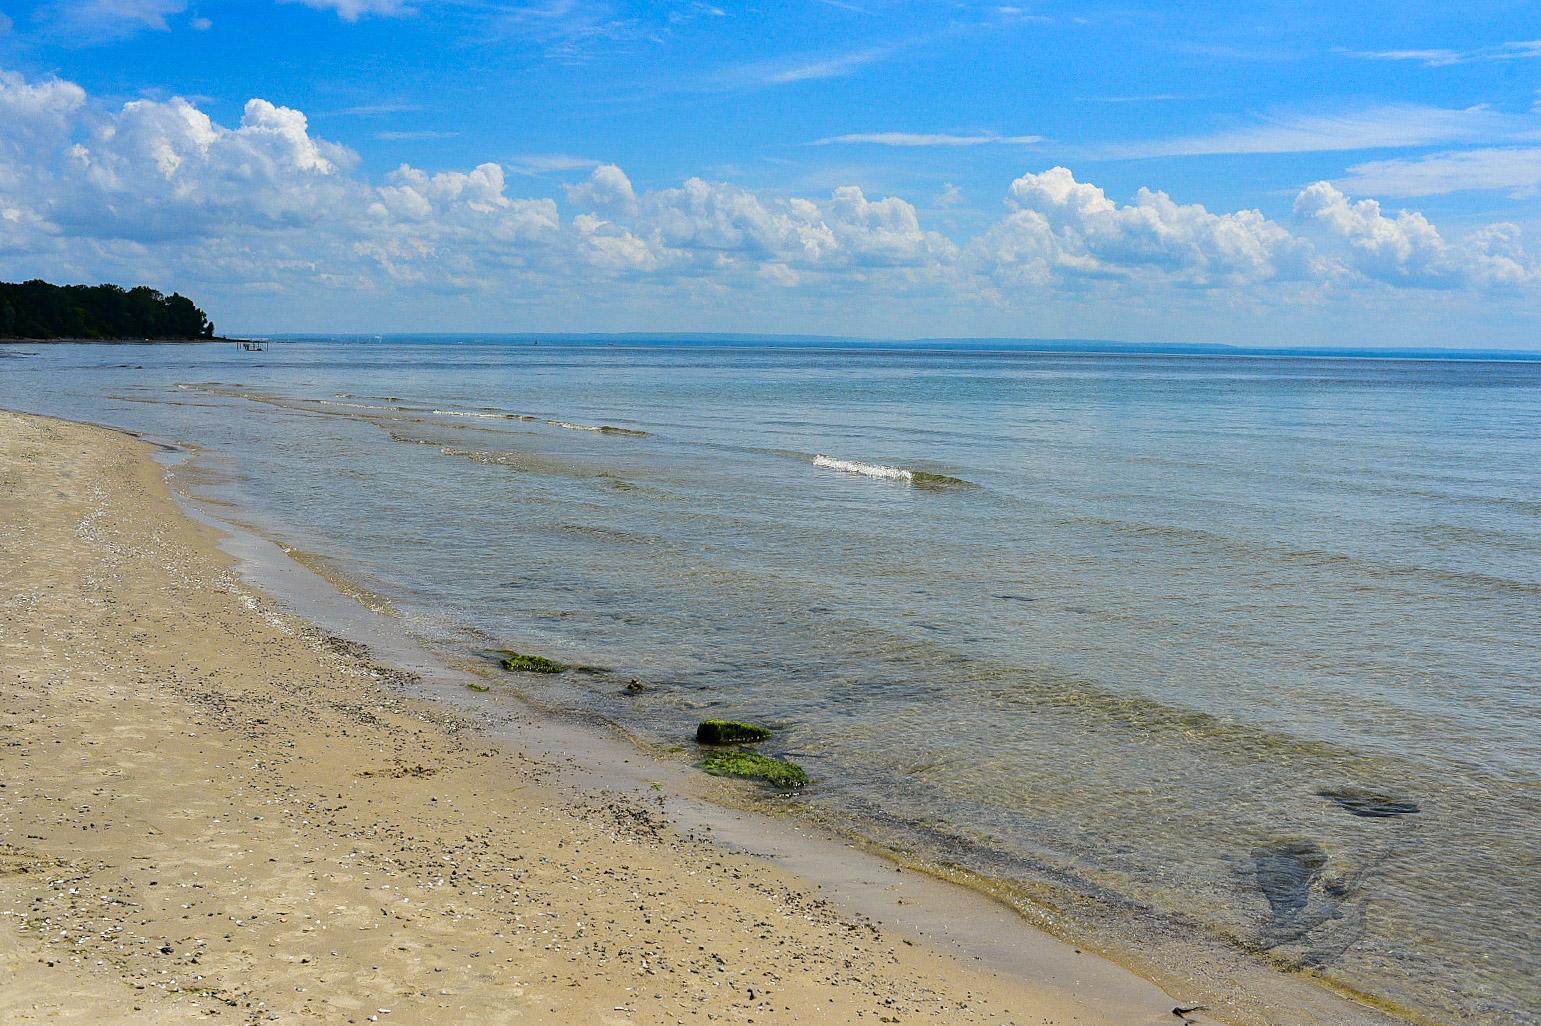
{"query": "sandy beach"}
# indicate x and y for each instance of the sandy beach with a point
(213, 811)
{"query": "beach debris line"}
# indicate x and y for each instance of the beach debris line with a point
(521, 662)
(727, 732)
(744, 765)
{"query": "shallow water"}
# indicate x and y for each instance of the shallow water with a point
(1246, 647)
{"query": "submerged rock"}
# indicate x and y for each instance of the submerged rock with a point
(749, 766)
(1368, 804)
(519, 662)
(1285, 872)
(727, 732)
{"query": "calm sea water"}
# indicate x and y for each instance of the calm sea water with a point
(1228, 647)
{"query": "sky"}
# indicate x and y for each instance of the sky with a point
(1253, 172)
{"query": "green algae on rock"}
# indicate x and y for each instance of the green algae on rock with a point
(726, 732)
(749, 766)
(518, 662)
(925, 479)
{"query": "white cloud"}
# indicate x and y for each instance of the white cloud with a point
(36, 115)
(729, 230)
(166, 169)
(424, 133)
(799, 68)
(545, 163)
(88, 191)
(1408, 249)
(1516, 169)
(1060, 228)
(607, 188)
(94, 21)
(924, 139)
(1384, 127)
(353, 10)
(1526, 49)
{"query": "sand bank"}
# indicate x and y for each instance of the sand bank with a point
(211, 810)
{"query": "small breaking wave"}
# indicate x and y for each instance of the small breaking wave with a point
(876, 470)
(353, 406)
(604, 429)
(919, 478)
(473, 413)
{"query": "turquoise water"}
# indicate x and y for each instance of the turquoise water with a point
(1199, 646)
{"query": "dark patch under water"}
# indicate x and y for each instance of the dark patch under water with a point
(1368, 804)
(1285, 873)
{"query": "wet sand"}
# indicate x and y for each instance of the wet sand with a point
(211, 810)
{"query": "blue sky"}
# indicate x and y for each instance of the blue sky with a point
(1257, 172)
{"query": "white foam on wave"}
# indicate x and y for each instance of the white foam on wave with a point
(876, 470)
(352, 406)
(470, 413)
(574, 427)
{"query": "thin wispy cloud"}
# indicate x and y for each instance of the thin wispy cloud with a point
(807, 69)
(1528, 49)
(408, 135)
(1149, 98)
(1515, 169)
(1239, 53)
(92, 22)
(353, 10)
(87, 22)
(926, 139)
(534, 164)
(372, 110)
(1384, 127)
(577, 31)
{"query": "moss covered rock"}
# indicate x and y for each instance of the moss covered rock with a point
(518, 662)
(727, 732)
(749, 766)
(924, 479)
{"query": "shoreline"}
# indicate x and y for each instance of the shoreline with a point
(117, 341)
(1218, 973)
(198, 778)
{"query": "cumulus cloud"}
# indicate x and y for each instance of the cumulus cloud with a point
(607, 188)
(725, 229)
(267, 204)
(1407, 249)
(1061, 228)
(165, 169)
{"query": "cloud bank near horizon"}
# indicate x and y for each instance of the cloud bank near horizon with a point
(157, 188)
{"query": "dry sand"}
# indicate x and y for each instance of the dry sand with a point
(212, 811)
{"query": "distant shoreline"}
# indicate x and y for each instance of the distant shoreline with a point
(959, 345)
(117, 341)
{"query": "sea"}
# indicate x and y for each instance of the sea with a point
(1224, 656)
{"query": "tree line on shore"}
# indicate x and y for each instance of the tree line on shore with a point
(40, 310)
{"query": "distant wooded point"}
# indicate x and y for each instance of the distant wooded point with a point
(39, 310)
